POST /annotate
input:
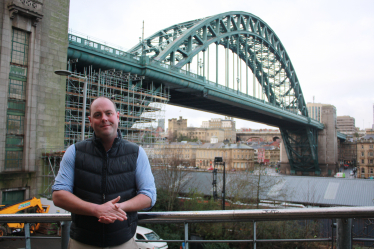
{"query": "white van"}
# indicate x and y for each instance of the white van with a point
(145, 234)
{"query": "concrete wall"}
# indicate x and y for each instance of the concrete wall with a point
(47, 23)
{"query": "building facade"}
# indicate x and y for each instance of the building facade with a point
(174, 125)
(346, 124)
(173, 154)
(315, 110)
(202, 134)
(365, 156)
(228, 125)
(237, 157)
(34, 42)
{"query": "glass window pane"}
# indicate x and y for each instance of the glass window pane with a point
(15, 124)
(13, 159)
(17, 89)
(20, 47)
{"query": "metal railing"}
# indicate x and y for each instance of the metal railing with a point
(343, 215)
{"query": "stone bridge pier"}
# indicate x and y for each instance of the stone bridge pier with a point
(327, 146)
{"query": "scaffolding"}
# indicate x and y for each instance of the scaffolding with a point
(140, 104)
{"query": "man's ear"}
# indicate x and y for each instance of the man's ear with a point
(89, 118)
(118, 116)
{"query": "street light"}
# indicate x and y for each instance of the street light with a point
(68, 73)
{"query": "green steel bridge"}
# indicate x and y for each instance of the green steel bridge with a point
(273, 96)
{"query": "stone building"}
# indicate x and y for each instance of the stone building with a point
(173, 154)
(174, 125)
(365, 155)
(268, 155)
(202, 134)
(33, 44)
(222, 129)
(228, 125)
(237, 157)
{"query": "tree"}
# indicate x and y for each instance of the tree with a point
(171, 177)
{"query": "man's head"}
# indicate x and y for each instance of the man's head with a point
(104, 118)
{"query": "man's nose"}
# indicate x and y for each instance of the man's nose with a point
(104, 117)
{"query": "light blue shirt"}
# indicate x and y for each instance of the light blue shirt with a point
(145, 183)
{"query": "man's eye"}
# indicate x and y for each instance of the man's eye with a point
(97, 115)
(109, 114)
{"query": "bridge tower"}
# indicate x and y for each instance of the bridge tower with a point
(327, 147)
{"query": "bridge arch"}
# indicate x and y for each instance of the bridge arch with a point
(247, 36)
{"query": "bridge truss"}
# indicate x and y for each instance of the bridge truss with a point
(257, 46)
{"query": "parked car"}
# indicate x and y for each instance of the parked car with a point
(143, 234)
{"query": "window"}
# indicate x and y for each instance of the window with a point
(370, 153)
(362, 153)
(15, 124)
(370, 146)
(363, 170)
(16, 101)
(139, 237)
(20, 47)
(362, 161)
(17, 89)
(371, 170)
(11, 197)
(362, 146)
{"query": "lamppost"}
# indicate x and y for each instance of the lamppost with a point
(219, 161)
(68, 73)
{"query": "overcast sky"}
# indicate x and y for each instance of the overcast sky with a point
(330, 42)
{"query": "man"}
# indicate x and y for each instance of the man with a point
(103, 181)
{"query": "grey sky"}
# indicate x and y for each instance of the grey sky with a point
(330, 42)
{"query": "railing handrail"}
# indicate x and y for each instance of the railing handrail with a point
(218, 215)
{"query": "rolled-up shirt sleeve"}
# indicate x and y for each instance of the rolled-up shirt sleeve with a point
(65, 177)
(145, 181)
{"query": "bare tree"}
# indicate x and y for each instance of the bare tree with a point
(171, 178)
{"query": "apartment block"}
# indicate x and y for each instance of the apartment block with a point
(346, 124)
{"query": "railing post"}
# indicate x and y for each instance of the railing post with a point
(65, 234)
(27, 236)
(254, 234)
(344, 233)
(185, 235)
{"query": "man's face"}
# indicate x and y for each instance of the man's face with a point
(104, 119)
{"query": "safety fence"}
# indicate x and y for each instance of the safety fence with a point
(343, 216)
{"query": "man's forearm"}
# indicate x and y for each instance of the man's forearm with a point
(136, 203)
(70, 202)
